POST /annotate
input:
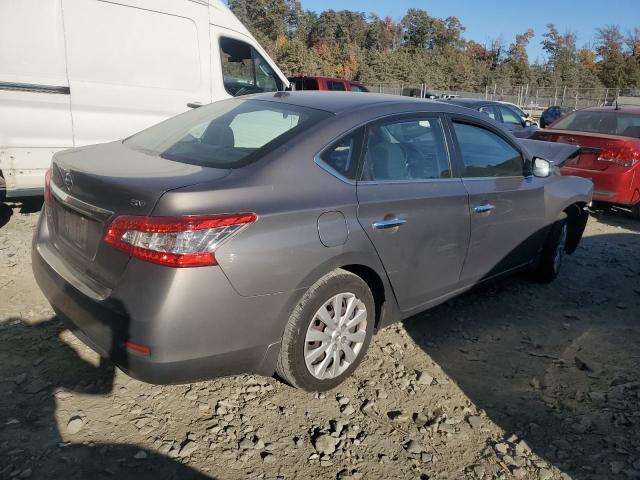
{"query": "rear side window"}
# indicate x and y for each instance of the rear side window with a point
(412, 149)
(611, 123)
(486, 154)
(226, 134)
(491, 112)
(343, 155)
(336, 86)
(244, 71)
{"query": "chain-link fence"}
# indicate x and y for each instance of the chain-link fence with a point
(530, 98)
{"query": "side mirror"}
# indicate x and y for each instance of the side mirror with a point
(527, 123)
(541, 167)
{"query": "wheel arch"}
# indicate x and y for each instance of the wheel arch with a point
(577, 218)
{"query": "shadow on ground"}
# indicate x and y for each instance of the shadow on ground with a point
(35, 366)
(23, 205)
(566, 379)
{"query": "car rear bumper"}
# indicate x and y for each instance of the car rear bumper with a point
(196, 326)
(611, 187)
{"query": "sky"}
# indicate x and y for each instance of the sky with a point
(488, 19)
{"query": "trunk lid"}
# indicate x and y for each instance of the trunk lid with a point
(593, 145)
(92, 185)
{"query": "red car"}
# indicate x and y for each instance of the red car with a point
(327, 83)
(610, 155)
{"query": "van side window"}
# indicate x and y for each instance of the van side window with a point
(335, 86)
(244, 71)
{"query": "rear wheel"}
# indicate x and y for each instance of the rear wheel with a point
(328, 333)
(552, 253)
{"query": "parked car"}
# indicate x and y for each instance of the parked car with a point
(327, 83)
(552, 114)
(418, 92)
(109, 70)
(523, 115)
(231, 239)
(448, 96)
(610, 155)
(501, 113)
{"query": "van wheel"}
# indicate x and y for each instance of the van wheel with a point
(328, 333)
(552, 253)
(635, 211)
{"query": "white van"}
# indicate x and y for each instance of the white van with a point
(78, 72)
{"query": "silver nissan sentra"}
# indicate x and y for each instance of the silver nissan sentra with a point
(278, 232)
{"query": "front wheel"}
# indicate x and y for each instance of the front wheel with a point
(552, 253)
(328, 333)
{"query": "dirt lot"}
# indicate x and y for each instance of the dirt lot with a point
(514, 379)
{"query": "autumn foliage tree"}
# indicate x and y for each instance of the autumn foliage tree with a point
(420, 48)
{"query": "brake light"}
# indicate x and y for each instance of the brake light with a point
(47, 188)
(188, 241)
(626, 156)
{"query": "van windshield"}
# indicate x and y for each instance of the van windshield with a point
(226, 134)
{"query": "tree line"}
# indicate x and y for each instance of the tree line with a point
(421, 48)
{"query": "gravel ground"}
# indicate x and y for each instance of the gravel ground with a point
(514, 379)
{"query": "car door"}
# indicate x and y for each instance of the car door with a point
(507, 207)
(412, 209)
(133, 63)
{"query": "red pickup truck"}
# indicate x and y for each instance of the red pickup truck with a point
(327, 83)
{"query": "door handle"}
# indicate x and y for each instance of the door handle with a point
(194, 104)
(487, 207)
(392, 223)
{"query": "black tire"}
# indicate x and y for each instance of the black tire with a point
(3, 190)
(552, 254)
(635, 211)
(291, 365)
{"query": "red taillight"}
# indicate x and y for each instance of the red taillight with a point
(188, 241)
(47, 188)
(134, 347)
(626, 156)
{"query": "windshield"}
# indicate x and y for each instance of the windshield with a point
(608, 122)
(226, 134)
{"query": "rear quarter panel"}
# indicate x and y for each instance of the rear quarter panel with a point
(282, 250)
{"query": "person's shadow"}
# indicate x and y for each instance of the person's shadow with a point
(38, 368)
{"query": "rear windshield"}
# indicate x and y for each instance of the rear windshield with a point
(610, 123)
(226, 134)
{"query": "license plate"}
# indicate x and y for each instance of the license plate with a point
(73, 227)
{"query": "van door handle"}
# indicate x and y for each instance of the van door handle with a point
(392, 223)
(194, 104)
(487, 207)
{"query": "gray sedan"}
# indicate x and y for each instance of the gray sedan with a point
(278, 232)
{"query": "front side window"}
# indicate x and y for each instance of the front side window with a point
(335, 86)
(486, 154)
(226, 134)
(244, 71)
(356, 88)
(510, 117)
(343, 155)
(411, 149)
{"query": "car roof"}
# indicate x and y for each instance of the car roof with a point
(472, 102)
(612, 108)
(339, 102)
